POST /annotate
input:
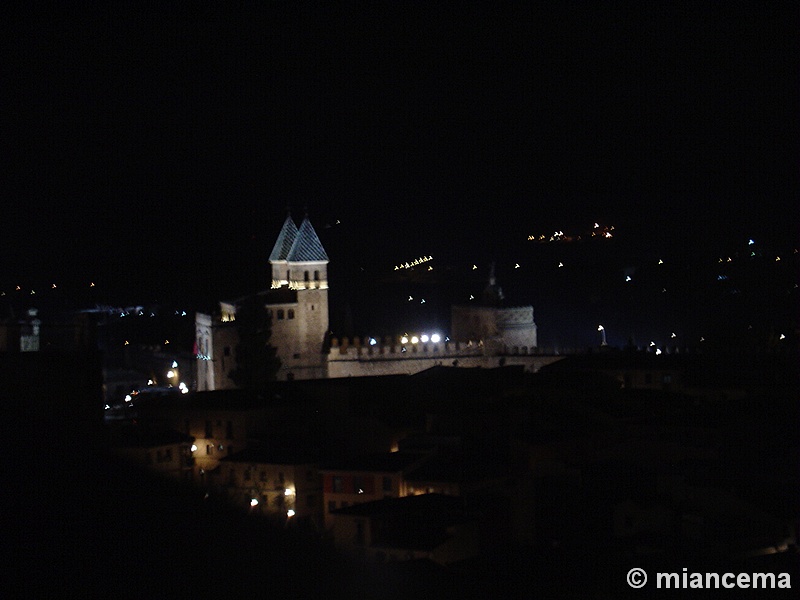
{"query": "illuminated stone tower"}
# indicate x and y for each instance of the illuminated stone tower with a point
(502, 328)
(298, 300)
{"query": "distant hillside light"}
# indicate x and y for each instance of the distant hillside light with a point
(194, 448)
(288, 492)
(170, 374)
(372, 341)
(253, 502)
(290, 513)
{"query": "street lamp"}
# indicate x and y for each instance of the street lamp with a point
(602, 331)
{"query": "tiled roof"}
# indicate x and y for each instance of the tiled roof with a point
(286, 238)
(385, 462)
(306, 246)
(137, 436)
(274, 455)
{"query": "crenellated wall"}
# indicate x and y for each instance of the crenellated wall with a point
(351, 358)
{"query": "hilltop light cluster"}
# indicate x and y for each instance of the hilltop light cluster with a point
(414, 263)
(597, 231)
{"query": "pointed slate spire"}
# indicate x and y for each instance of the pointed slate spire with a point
(493, 293)
(286, 238)
(306, 246)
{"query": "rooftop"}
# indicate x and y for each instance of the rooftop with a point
(137, 436)
(287, 236)
(274, 455)
(411, 522)
(298, 245)
(384, 462)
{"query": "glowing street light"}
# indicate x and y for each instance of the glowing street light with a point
(424, 338)
(435, 338)
(602, 331)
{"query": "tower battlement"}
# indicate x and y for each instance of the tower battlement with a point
(354, 358)
(396, 349)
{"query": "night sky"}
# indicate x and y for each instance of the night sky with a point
(157, 151)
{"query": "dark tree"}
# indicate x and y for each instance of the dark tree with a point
(256, 361)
